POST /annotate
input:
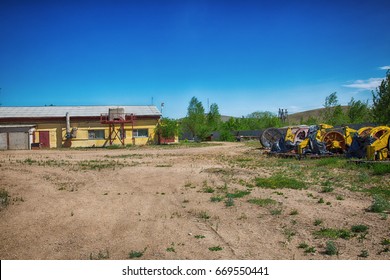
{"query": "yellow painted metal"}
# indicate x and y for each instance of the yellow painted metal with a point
(289, 135)
(379, 150)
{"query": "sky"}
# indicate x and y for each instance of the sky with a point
(243, 55)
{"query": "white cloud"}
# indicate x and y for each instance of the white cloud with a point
(369, 84)
(387, 67)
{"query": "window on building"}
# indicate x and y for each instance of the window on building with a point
(140, 133)
(96, 134)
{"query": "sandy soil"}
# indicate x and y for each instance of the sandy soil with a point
(63, 206)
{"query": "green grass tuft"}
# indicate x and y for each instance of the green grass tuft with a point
(333, 233)
(279, 181)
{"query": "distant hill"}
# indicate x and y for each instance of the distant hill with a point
(316, 113)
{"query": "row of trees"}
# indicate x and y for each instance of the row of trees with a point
(199, 124)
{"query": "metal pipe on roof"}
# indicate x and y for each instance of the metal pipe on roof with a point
(68, 134)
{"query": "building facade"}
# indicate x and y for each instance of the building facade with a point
(77, 126)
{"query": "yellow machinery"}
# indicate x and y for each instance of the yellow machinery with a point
(335, 141)
(379, 149)
(321, 132)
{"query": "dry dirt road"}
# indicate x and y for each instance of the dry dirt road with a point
(101, 203)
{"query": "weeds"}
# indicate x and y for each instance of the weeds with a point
(136, 254)
(359, 228)
(331, 248)
(327, 189)
(216, 198)
(380, 204)
(238, 194)
(279, 181)
(199, 236)
(333, 233)
(318, 222)
(215, 248)
(203, 215)
(363, 254)
(4, 198)
(229, 202)
(381, 169)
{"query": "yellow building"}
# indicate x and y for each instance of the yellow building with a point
(77, 126)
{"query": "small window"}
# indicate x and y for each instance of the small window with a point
(96, 134)
(141, 133)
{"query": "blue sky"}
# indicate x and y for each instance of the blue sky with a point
(245, 56)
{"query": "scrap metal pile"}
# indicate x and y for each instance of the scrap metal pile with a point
(370, 143)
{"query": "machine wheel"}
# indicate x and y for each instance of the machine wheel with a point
(270, 136)
(334, 141)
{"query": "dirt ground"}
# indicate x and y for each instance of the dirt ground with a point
(102, 203)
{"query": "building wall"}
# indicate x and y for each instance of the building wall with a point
(57, 133)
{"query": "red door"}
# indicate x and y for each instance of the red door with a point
(44, 139)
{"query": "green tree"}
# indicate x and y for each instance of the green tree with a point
(333, 113)
(167, 128)
(213, 117)
(381, 101)
(195, 121)
(358, 111)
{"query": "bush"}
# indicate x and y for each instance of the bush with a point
(331, 248)
(379, 204)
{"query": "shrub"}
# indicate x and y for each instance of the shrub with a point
(4, 198)
(359, 228)
(380, 204)
(331, 248)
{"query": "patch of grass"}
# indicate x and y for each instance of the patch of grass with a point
(331, 248)
(310, 250)
(215, 248)
(171, 249)
(321, 200)
(363, 254)
(380, 204)
(327, 189)
(330, 162)
(164, 165)
(385, 242)
(276, 211)
(203, 215)
(318, 222)
(289, 233)
(208, 189)
(339, 197)
(359, 228)
(29, 161)
(294, 212)
(136, 254)
(229, 202)
(238, 194)
(279, 181)
(303, 245)
(199, 236)
(99, 164)
(262, 201)
(216, 198)
(4, 198)
(333, 233)
(381, 169)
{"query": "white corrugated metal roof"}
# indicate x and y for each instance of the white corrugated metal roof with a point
(74, 111)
